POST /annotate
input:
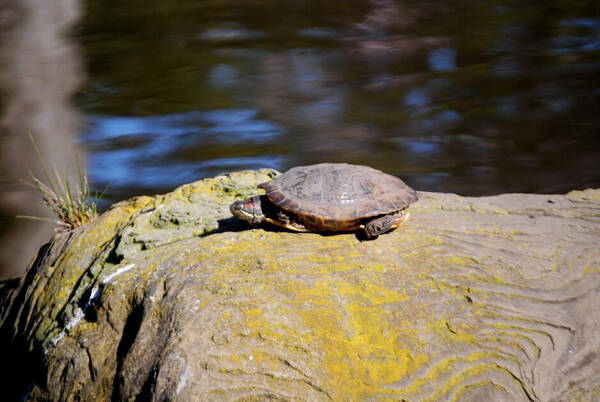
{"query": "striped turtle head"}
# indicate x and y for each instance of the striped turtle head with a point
(249, 210)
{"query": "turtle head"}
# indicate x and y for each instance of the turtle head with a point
(249, 210)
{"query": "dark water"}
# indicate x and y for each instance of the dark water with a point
(472, 97)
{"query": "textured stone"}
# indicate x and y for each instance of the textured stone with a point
(169, 297)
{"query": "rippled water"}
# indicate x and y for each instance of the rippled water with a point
(467, 97)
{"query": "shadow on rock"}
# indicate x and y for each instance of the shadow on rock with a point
(233, 224)
(228, 225)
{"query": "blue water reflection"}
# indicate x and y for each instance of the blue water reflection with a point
(129, 167)
(443, 59)
(149, 152)
(421, 147)
(319, 33)
(418, 97)
(569, 42)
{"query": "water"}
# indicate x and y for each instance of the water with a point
(475, 98)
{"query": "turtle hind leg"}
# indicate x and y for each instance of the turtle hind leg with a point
(385, 223)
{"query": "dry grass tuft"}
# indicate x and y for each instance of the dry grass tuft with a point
(73, 205)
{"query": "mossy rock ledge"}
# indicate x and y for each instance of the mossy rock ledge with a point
(170, 298)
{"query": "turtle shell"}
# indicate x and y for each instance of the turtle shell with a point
(331, 194)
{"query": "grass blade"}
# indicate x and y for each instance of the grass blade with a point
(73, 205)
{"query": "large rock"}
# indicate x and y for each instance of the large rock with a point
(169, 298)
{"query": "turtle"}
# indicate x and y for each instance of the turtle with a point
(330, 197)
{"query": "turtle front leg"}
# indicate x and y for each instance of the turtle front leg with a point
(385, 223)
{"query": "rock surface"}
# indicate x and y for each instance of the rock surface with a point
(169, 298)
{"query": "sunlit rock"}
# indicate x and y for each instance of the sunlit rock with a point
(170, 298)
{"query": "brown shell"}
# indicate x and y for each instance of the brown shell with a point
(338, 194)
